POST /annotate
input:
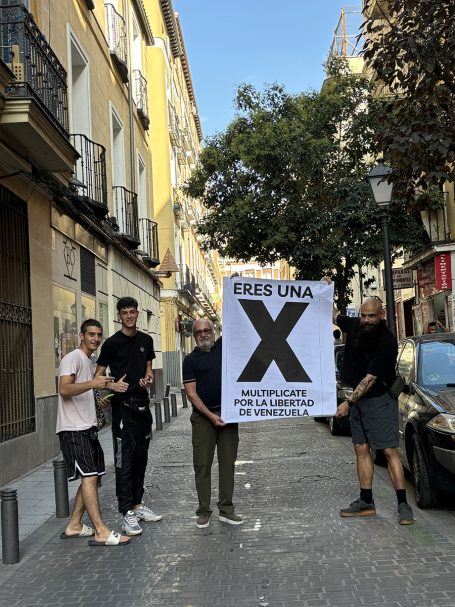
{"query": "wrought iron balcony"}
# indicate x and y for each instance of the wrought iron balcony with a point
(141, 98)
(202, 293)
(39, 73)
(117, 40)
(187, 281)
(149, 242)
(90, 173)
(125, 203)
(173, 125)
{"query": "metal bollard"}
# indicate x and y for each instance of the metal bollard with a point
(167, 413)
(174, 405)
(168, 389)
(62, 509)
(184, 398)
(158, 416)
(10, 527)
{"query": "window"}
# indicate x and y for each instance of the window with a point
(88, 272)
(66, 333)
(136, 51)
(142, 188)
(118, 150)
(80, 93)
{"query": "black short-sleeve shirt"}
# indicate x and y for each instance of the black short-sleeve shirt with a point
(361, 357)
(130, 355)
(204, 368)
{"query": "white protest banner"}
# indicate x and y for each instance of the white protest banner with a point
(278, 353)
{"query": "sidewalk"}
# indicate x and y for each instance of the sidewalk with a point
(36, 494)
(293, 550)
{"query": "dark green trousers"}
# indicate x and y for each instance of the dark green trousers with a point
(205, 438)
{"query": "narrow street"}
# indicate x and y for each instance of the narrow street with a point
(293, 550)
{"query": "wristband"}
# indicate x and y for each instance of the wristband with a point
(351, 403)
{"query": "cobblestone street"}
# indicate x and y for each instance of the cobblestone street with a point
(293, 550)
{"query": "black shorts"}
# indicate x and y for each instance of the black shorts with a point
(82, 453)
(375, 421)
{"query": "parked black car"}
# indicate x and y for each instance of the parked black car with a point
(427, 414)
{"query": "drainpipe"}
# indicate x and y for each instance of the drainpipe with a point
(130, 102)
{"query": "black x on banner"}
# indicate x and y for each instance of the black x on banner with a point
(273, 346)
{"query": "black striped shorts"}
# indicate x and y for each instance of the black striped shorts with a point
(82, 453)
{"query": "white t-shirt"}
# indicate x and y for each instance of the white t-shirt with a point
(76, 412)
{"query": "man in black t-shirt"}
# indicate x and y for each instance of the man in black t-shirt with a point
(369, 367)
(202, 381)
(129, 354)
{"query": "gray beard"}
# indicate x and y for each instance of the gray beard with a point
(206, 347)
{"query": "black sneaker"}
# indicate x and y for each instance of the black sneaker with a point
(359, 508)
(231, 518)
(203, 520)
(405, 514)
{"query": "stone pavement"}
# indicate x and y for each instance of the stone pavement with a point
(293, 550)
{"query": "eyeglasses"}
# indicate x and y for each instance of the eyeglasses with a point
(374, 297)
(202, 331)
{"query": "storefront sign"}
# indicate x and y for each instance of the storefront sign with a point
(443, 271)
(402, 278)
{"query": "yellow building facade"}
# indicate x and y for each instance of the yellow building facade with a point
(193, 288)
(78, 200)
(99, 131)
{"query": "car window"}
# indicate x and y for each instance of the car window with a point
(405, 364)
(437, 363)
(339, 354)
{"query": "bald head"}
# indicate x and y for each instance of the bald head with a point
(371, 314)
(371, 303)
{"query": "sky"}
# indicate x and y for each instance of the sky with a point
(230, 42)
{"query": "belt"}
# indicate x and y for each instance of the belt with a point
(137, 405)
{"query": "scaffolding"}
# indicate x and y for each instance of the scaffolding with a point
(347, 38)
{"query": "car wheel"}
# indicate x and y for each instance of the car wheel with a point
(334, 426)
(425, 495)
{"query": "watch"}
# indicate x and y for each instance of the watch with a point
(351, 403)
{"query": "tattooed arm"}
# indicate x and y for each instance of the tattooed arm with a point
(360, 391)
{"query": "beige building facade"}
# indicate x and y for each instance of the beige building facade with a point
(77, 227)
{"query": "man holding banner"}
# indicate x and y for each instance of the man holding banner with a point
(369, 366)
(202, 381)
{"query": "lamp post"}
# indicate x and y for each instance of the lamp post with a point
(382, 193)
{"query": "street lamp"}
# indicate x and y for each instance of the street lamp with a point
(378, 178)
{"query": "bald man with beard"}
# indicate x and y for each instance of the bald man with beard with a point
(369, 367)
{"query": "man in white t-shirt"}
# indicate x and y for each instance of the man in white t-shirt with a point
(77, 432)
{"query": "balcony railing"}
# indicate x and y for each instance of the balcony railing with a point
(187, 281)
(202, 290)
(117, 40)
(149, 242)
(125, 203)
(436, 226)
(173, 125)
(39, 74)
(91, 172)
(141, 98)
